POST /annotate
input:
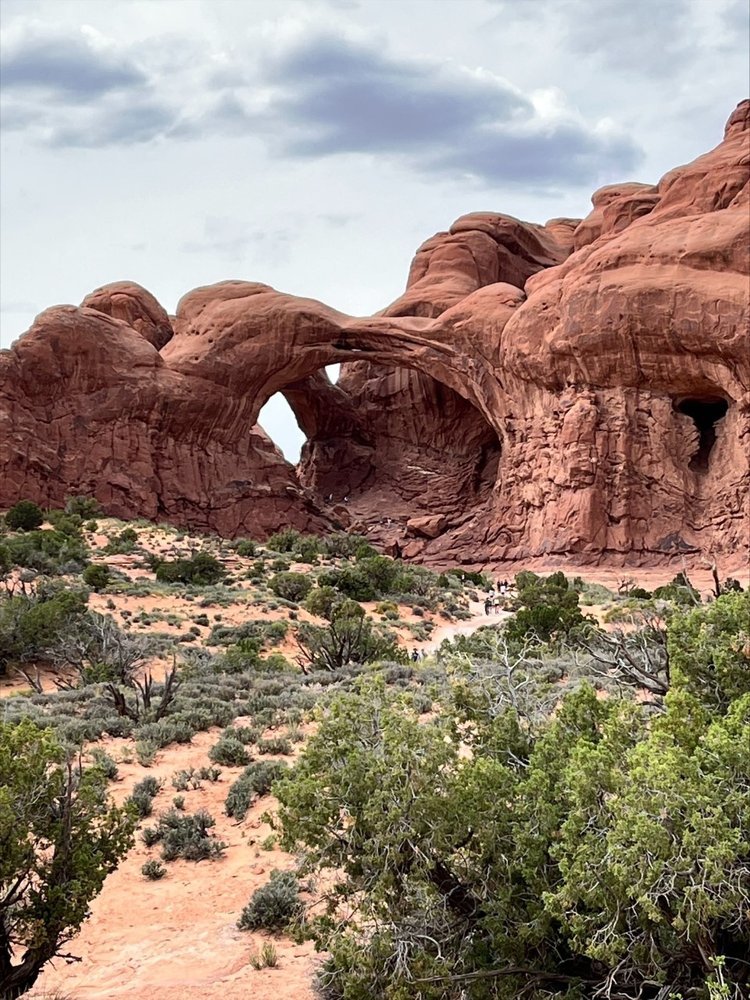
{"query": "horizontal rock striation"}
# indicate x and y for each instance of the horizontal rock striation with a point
(577, 389)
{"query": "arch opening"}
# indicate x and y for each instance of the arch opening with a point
(705, 412)
(391, 443)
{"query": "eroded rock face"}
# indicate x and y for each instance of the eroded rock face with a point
(580, 389)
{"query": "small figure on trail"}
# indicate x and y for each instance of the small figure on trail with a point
(496, 604)
(487, 605)
(415, 655)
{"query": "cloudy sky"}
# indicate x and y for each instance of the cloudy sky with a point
(314, 144)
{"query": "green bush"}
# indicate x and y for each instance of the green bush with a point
(709, 650)
(342, 545)
(274, 905)
(229, 751)
(143, 795)
(83, 507)
(153, 870)
(122, 544)
(97, 576)
(202, 569)
(25, 516)
(679, 591)
(320, 601)
(290, 586)
(547, 609)
(577, 856)
(307, 549)
(244, 547)
(39, 626)
(106, 764)
(284, 541)
(275, 744)
(346, 640)
(48, 552)
(255, 781)
(64, 523)
(187, 836)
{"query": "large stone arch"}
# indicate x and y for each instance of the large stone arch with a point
(608, 356)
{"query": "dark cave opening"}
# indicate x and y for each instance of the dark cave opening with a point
(705, 414)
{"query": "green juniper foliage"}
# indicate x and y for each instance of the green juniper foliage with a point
(494, 856)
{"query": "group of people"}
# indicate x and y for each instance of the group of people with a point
(418, 654)
(495, 599)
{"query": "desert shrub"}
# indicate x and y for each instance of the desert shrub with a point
(202, 569)
(248, 636)
(123, 543)
(64, 523)
(347, 639)
(291, 586)
(178, 801)
(342, 545)
(97, 576)
(307, 549)
(49, 552)
(275, 662)
(274, 905)
(245, 734)
(187, 836)
(284, 541)
(386, 608)
(60, 837)
(709, 650)
(24, 516)
(266, 958)
(106, 764)
(452, 576)
(580, 855)
(229, 751)
(321, 600)
(153, 870)
(143, 795)
(547, 609)
(150, 836)
(39, 625)
(594, 593)
(349, 581)
(244, 547)
(274, 744)
(679, 591)
(242, 656)
(202, 620)
(83, 507)
(146, 751)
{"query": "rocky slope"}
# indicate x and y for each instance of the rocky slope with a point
(579, 389)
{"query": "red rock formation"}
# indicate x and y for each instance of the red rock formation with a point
(580, 389)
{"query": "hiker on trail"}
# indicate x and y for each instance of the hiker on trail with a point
(503, 588)
(414, 655)
(487, 605)
(496, 604)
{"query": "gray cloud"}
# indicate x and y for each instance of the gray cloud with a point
(639, 36)
(332, 96)
(66, 68)
(123, 125)
(324, 95)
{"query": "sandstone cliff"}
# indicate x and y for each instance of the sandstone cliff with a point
(578, 389)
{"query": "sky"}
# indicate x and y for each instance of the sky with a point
(315, 144)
